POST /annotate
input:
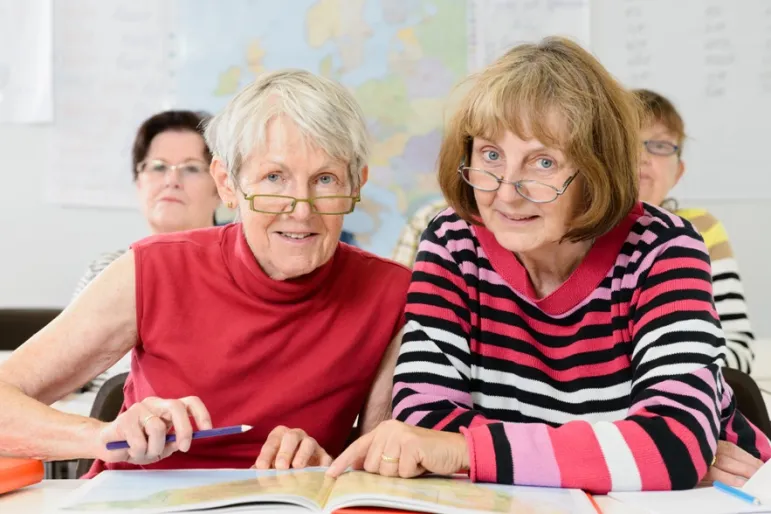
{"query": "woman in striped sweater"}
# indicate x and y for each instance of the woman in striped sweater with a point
(566, 330)
(661, 168)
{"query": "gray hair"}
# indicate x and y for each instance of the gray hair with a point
(323, 110)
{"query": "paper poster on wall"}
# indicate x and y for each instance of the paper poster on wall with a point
(112, 73)
(26, 76)
(497, 25)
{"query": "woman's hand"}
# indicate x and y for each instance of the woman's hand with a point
(285, 448)
(732, 466)
(396, 449)
(144, 426)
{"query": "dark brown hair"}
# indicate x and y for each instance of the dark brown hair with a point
(658, 108)
(179, 121)
(597, 127)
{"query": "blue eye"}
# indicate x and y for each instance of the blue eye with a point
(491, 155)
(326, 180)
(545, 163)
(272, 177)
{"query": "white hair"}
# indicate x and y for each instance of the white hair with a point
(324, 111)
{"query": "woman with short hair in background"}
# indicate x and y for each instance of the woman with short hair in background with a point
(661, 168)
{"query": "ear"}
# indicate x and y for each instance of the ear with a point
(225, 186)
(364, 176)
(680, 171)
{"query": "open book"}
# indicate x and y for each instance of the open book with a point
(149, 492)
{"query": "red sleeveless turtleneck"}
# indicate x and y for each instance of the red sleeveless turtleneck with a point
(301, 353)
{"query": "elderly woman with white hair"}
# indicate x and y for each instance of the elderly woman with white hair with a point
(269, 322)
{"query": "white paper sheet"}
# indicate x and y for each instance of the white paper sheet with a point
(497, 25)
(26, 63)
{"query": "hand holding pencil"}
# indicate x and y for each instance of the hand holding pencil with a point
(144, 428)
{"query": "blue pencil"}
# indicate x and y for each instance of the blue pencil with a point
(737, 493)
(170, 438)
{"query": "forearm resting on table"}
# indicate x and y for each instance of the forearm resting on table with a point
(30, 429)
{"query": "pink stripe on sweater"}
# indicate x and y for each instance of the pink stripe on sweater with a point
(457, 226)
(415, 418)
(422, 393)
(701, 419)
(579, 457)
(530, 443)
(437, 312)
(481, 454)
(654, 475)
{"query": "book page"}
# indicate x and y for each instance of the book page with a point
(450, 495)
(152, 492)
(702, 500)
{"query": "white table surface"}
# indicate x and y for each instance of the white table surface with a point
(45, 497)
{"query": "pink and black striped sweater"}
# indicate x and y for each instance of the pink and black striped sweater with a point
(612, 382)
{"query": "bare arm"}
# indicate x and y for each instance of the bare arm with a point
(88, 337)
(378, 405)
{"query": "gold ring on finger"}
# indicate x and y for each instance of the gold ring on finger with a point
(147, 418)
(392, 460)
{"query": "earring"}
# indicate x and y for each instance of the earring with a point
(230, 205)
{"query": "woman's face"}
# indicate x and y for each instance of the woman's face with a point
(176, 191)
(660, 166)
(290, 243)
(520, 225)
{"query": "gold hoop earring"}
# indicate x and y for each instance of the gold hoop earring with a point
(230, 205)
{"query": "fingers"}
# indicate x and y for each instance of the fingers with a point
(735, 467)
(199, 412)
(724, 448)
(389, 458)
(176, 412)
(325, 460)
(373, 458)
(353, 456)
(289, 445)
(305, 453)
(726, 478)
(270, 448)
(130, 425)
(156, 431)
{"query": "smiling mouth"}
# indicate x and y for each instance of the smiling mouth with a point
(296, 236)
(518, 217)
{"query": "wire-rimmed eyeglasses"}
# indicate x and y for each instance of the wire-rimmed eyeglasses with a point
(663, 148)
(532, 190)
(281, 204)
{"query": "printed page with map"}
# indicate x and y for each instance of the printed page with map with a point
(151, 492)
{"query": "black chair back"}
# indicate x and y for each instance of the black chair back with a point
(749, 399)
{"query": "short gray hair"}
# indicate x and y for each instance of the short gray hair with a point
(323, 110)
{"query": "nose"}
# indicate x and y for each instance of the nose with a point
(173, 177)
(302, 211)
(645, 157)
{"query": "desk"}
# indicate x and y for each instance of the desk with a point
(47, 495)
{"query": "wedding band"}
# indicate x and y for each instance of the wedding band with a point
(147, 418)
(714, 460)
(386, 458)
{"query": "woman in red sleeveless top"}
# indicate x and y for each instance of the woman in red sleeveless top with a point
(269, 322)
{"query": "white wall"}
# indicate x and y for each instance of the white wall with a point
(45, 248)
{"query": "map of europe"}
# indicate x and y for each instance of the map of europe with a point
(400, 59)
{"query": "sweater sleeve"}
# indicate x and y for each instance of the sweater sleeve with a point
(727, 289)
(431, 379)
(679, 403)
